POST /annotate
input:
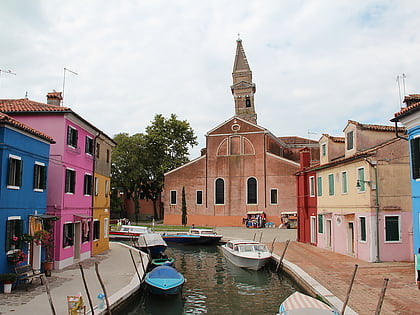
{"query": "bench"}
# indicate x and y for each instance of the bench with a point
(26, 274)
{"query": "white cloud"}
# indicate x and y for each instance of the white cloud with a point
(316, 64)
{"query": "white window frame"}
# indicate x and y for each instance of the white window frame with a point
(311, 186)
(360, 229)
(362, 182)
(15, 157)
(170, 197)
(399, 228)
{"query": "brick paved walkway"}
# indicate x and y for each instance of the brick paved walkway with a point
(334, 272)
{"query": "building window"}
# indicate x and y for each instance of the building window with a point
(87, 187)
(415, 157)
(392, 228)
(14, 176)
(220, 191)
(70, 181)
(362, 229)
(98, 149)
(344, 184)
(96, 186)
(106, 188)
(331, 184)
(72, 136)
(324, 149)
(247, 101)
(40, 176)
(14, 230)
(273, 196)
(350, 140)
(173, 197)
(361, 179)
(89, 145)
(108, 155)
(251, 190)
(68, 234)
(320, 223)
(319, 185)
(199, 197)
(312, 186)
(96, 229)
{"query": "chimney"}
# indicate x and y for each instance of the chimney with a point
(305, 158)
(54, 98)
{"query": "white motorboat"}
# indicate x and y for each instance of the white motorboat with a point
(207, 236)
(301, 304)
(128, 232)
(246, 254)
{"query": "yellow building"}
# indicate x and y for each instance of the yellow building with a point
(102, 188)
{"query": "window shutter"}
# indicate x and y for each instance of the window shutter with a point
(10, 173)
(19, 170)
(43, 177)
(415, 157)
(68, 135)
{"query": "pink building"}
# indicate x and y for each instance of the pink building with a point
(70, 173)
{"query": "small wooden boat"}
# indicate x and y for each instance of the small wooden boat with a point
(302, 304)
(246, 254)
(164, 280)
(127, 232)
(163, 262)
(152, 243)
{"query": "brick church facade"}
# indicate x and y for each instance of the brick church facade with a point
(244, 168)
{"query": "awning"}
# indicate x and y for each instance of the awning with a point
(290, 212)
(45, 216)
(255, 212)
(82, 216)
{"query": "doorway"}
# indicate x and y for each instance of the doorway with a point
(77, 238)
(329, 230)
(350, 238)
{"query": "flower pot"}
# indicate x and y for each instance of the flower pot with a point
(48, 266)
(7, 287)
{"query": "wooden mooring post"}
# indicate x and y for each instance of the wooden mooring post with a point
(349, 290)
(381, 297)
(282, 255)
(135, 266)
(103, 289)
(272, 246)
(86, 289)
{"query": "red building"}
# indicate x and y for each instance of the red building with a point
(243, 170)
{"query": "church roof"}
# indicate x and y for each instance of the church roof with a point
(297, 140)
(240, 63)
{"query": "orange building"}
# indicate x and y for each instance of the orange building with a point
(244, 169)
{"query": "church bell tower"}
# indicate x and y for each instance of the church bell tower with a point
(243, 89)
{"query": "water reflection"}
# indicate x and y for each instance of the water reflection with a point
(215, 286)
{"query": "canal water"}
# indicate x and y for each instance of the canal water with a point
(214, 286)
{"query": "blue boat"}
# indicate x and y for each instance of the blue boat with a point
(181, 238)
(164, 280)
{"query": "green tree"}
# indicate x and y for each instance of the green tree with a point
(139, 162)
(184, 207)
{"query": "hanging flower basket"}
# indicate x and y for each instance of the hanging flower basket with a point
(16, 257)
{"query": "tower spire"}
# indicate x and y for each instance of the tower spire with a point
(243, 89)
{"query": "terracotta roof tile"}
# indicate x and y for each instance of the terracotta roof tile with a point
(376, 127)
(7, 120)
(406, 110)
(26, 105)
(296, 140)
(335, 139)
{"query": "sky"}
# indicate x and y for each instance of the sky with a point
(316, 64)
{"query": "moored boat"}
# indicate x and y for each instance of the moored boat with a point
(246, 254)
(127, 232)
(300, 304)
(193, 236)
(152, 243)
(207, 236)
(164, 280)
(163, 262)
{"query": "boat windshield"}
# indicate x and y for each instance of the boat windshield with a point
(252, 248)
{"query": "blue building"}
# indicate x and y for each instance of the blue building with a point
(409, 116)
(24, 157)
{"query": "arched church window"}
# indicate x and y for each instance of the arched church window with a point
(251, 190)
(220, 191)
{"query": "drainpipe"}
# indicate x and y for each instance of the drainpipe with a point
(374, 165)
(396, 132)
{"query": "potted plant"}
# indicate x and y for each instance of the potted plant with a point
(46, 240)
(16, 256)
(7, 279)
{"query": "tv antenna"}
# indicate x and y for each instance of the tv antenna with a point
(7, 72)
(64, 81)
(401, 77)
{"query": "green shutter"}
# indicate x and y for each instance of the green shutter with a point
(320, 223)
